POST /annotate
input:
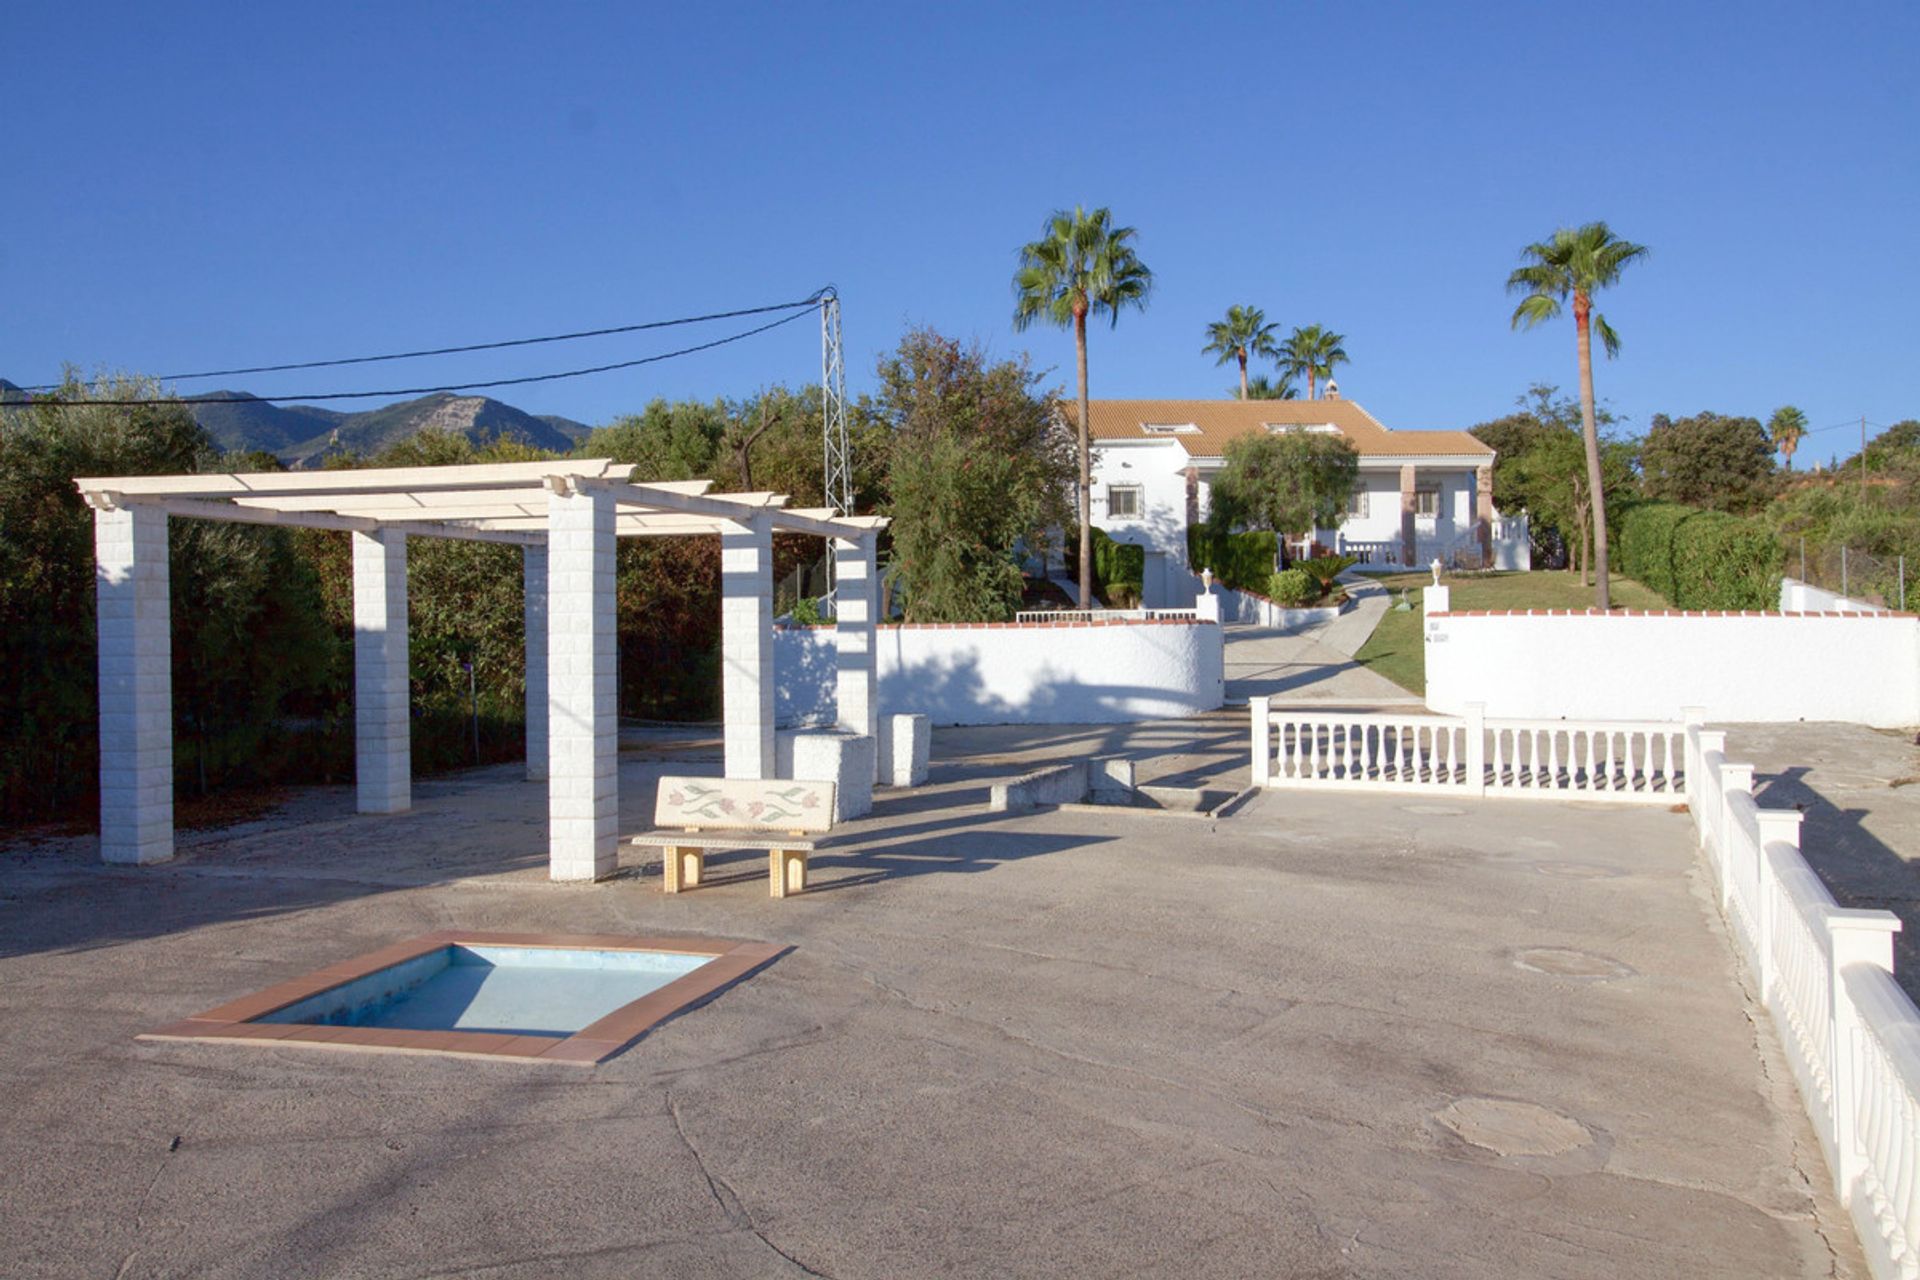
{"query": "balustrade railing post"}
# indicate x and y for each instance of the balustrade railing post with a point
(1477, 747)
(1262, 740)
(1853, 937)
(1777, 826)
(1734, 779)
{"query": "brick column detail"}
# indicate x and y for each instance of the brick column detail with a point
(583, 730)
(1409, 481)
(1483, 510)
(382, 748)
(136, 684)
(746, 646)
(533, 578)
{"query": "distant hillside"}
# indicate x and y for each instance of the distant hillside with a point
(478, 418)
(574, 431)
(254, 424)
(304, 434)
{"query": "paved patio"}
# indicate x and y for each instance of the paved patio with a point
(1329, 1036)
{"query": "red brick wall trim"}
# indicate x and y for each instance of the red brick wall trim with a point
(1656, 613)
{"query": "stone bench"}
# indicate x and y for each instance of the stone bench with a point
(698, 814)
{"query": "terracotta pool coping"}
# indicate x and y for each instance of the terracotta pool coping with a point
(592, 1044)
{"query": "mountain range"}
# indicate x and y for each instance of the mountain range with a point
(303, 435)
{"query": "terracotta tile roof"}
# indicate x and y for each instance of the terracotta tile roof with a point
(1219, 421)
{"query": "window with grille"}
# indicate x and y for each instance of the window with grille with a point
(1357, 505)
(1123, 500)
(1426, 503)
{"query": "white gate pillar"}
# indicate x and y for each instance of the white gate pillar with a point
(856, 691)
(136, 684)
(746, 646)
(383, 766)
(533, 577)
(583, 705)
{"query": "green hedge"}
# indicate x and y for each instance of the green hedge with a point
(1242, 560)
(1699, 559)
(1114, 563)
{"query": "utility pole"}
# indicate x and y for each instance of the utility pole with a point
(833, 412)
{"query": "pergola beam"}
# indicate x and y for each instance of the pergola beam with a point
(368, 480)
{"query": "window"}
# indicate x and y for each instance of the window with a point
(1426, 503)
(1123, 500)
(1357, 505)
(1170, 428)
(1313, 428)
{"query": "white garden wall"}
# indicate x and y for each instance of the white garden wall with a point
(1862, 667)
(1003, 673)
(1804, 597)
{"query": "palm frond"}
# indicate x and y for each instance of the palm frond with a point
(1535, 308)
(1608, 338)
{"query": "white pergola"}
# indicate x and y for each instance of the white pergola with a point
(565, 515)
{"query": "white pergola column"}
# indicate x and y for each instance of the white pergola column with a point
(533, 577)
(583, 721)
(746, 646)
(856, 689)
(382, 746)
(136, 685)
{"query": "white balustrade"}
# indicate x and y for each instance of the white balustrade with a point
(1621, 761)
(1825, 974)
(1106, 615)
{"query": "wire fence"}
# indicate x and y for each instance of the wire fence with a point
(1860, 575)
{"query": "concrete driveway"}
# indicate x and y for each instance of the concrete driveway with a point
(1329, 1036)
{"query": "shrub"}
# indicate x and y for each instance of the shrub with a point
(1243, 560)
(1113, 562)
(1123, 595)
(1700, 559)
(1293, 588)
(1324, 569)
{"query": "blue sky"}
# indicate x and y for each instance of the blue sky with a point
(195, 187)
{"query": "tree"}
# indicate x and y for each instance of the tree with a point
(1311, 353)
(980, 464)
(1709, 461)
(1543, 416)
(1553, 475)
(1575, 264)
(1786, 428)
(1082, 265)
(1287, 481)
(1244, 332)
(1261, 387)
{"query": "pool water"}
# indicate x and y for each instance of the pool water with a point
(537, 991)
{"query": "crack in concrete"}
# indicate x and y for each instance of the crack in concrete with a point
(727, 1198)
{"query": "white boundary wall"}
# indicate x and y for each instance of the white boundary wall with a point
(1825, 974)
(1013, 673)
(1803, 597)
(1646, 666)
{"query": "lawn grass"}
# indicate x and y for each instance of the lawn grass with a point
(1397, 650)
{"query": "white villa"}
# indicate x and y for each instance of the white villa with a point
(1422, 494)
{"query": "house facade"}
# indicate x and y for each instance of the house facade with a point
(1422, 495)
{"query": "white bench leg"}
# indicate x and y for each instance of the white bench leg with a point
(683, 867)
(787, 872)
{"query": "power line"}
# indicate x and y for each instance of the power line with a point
(423, 391)
(475, 346)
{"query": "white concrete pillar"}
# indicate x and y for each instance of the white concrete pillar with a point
(857, 687)
(533, 578)
(746, 646)
(382, 744)
(583, 724)
(136, 685)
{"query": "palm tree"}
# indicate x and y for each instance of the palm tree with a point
(1261, 387)
(1577, 263)
(1244, 332)
(1311, 353)
(1081, 264)
(1786, 427)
